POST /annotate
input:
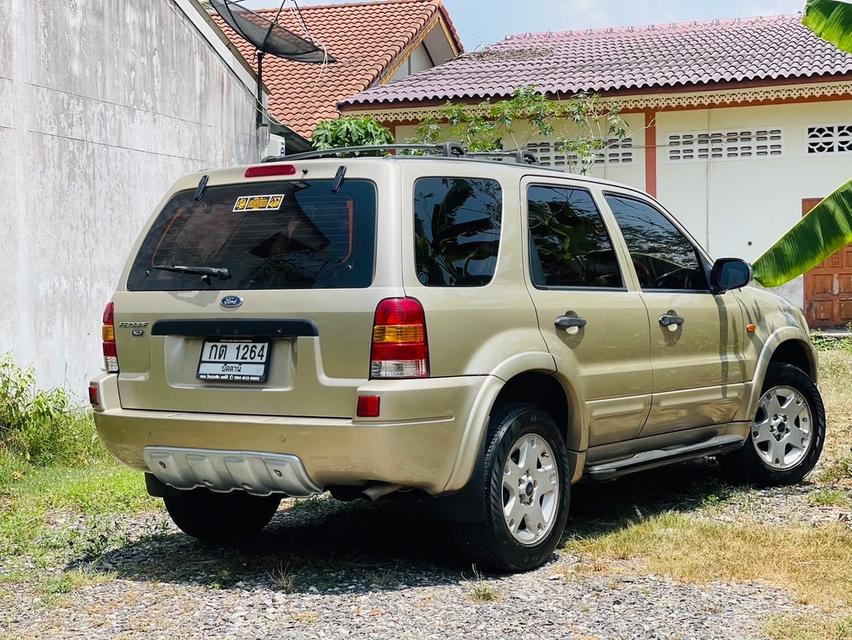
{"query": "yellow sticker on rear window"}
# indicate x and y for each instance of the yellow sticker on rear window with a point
(271, 202)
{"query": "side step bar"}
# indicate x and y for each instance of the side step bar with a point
(660, 457)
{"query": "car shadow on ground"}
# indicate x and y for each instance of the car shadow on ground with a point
(321, 545)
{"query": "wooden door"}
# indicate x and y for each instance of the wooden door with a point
(828, 286)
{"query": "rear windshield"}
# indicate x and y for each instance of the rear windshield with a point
(271, 235)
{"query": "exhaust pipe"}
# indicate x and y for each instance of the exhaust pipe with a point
(376, 491)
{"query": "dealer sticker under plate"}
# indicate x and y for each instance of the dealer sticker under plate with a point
(234, 361)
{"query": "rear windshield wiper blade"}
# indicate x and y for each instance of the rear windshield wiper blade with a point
(211, 272)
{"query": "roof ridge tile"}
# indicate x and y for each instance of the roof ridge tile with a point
(695, 53)
(651, 26)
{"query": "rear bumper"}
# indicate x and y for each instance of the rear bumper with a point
(426, 439)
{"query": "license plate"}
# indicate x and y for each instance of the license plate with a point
(234, 361)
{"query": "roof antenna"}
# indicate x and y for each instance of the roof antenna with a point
(268, 36)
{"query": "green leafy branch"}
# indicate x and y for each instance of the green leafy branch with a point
(350, 132)
(581, 126)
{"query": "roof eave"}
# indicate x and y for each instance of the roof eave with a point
(355, 103)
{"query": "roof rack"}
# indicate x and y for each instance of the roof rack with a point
(445, 149)
(519, 156)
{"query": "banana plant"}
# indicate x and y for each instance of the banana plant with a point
(831, 20)
(825, 230)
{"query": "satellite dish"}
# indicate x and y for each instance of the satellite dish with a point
(268, 36)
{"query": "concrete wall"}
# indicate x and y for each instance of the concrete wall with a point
(103, 104)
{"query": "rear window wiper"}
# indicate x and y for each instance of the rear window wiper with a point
(211, 272)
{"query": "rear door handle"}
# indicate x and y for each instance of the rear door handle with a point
(671, 320)
(570, 325)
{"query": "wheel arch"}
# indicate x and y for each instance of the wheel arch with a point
(798, 353)
(528, 377)
(787, 345)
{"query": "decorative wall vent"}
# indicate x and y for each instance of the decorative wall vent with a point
(829, 138)
(616, 152)
(725, 145)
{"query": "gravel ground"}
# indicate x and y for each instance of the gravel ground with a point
(330, 570)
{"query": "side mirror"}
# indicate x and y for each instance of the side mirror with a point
(729, 273)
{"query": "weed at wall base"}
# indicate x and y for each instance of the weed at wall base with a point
(40, 427)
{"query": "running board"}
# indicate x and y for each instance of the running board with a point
(660, 457)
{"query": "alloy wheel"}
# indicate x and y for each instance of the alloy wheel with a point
(781, 432)
(530, 489)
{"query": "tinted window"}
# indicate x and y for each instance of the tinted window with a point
(663, 257)
(456, 230)
(271, 235)
(569, 244)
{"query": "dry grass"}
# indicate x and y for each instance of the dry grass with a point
(810, 627)
(814, 562)
(307, 617)
(835, 375)
(480, 590)
(282, 577)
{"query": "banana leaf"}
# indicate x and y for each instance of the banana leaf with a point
(825, 230)
(831, 20)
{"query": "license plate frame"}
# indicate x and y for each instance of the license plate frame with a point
(250, 369)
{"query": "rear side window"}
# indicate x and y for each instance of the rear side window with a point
(271, 235)
(569, 244)
(456, 230)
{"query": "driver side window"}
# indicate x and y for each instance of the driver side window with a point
(662, 256)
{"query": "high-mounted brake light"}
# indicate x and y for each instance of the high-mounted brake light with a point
(400, 349)
(108, 335)
(266, 170)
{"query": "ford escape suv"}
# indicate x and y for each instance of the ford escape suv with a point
(483, 332)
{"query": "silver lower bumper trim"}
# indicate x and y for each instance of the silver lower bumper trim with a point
(256, 473)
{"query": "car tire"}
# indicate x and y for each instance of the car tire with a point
(536, 490)
(221, 517)
(785, 442)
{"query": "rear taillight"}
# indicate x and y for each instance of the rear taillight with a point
(399, 348)
(108, 334)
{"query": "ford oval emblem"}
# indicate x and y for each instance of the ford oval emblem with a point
(231, 302)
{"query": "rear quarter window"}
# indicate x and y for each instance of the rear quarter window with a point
(456, 230)
(270, 235)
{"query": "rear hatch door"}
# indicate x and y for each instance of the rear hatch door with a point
(256, 298)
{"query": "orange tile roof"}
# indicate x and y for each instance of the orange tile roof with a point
(365, 39)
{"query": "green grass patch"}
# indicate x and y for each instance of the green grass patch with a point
(829, 497)
(32, 507)
(69, 581)
(103, 488)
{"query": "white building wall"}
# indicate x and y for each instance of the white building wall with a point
(740, 207)
(103, 104)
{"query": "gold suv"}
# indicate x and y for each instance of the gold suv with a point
(486, 332)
